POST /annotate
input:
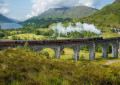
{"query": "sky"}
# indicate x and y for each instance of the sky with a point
(24, 9)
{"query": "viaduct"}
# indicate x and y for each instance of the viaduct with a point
(76, 44)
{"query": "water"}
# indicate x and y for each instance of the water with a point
(10, 26)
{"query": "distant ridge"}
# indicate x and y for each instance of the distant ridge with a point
(4, 19)
(60, 14)
(65, 12)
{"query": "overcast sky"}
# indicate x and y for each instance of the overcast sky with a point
(23, 9)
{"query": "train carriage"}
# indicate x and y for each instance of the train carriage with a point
(49, 41)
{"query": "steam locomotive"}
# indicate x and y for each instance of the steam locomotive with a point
(49, 41)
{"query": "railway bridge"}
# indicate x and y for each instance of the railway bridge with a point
(76, 44)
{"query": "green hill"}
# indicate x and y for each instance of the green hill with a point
(54, 15)
(44, 22)
(109, 16)
(74, 12)
(4, 19)
(79, 12)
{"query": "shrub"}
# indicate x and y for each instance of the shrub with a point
(54, 56)
(45, 53)
(82, 58)
(62, 53)
(110, 48)
(26, 45)
(33, 38)
(13, 37)
(37, 32)
(99, 48)
(86, 48)
(112, 30)
(21, 67)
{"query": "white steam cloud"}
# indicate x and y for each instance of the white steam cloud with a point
(60, 29)
(40, 6)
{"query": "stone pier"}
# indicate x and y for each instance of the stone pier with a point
(76, 54)
(105, 50)
(92, 51)
(115, 47)
(57, 51)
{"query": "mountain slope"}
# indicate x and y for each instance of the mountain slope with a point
(63, 14)
(54, 13)
(4, 19)
(79, 12)
(109, 16)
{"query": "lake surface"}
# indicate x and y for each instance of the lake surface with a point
(10, 26)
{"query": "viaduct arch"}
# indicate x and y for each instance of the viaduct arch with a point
(76, 44)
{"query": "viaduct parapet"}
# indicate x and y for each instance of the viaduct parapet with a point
(76, 44)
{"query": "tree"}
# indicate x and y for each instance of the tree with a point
(26, 45)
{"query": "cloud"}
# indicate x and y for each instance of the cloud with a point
(28, 16)
(39, 6)
(3, 7)
(4, 11)
(89, 3)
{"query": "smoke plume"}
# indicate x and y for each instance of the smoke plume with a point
(60, 29)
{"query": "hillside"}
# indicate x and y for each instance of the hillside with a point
(25, 67)
(44, 22)
(74, 12)
(59, 15)
(4, 19)
(53, 13)
(109, 16)
(79, 12)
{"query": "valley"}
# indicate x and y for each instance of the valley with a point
(25, 66)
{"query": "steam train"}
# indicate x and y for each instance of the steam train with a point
(11, 42)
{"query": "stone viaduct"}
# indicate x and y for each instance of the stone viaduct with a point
(76, 44)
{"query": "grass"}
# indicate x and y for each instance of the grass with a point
(116, 65)
(44, 29)
(30, 36)
(26, 67)
(68, 55)
(109, 35)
